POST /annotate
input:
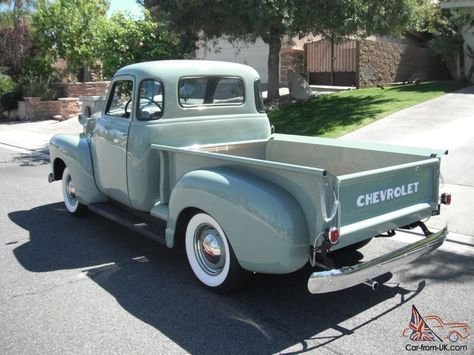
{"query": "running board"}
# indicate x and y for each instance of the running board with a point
(137, 221)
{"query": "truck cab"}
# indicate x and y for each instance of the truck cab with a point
(170, 103)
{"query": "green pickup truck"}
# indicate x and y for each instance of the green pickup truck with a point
(184, 153)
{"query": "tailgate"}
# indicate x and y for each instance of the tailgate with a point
(375, 201)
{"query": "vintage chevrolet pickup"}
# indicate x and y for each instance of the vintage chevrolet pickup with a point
(184, 153)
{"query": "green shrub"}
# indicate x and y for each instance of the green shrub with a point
(9, 101)
(8, 94)
(39, 86)
(7, 84)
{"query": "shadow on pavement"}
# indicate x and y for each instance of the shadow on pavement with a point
(27, 157)
(155, 285)
(39, 157)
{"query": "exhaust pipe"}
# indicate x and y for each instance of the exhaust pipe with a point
(374, 285)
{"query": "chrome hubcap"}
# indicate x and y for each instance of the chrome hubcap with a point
(209, 249)
(71, 191)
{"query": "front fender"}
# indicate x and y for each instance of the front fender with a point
(264, 224)
(74, 152)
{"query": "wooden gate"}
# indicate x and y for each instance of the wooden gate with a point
(329, 63)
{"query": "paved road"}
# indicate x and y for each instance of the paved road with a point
(90, 286)
(87, 285)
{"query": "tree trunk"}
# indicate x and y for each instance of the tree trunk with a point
(274, 44)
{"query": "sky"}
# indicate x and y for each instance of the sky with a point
(125, 5)
(115, 5)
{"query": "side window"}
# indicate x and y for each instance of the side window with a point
(150, 104)
(120, 101)
(210, 91)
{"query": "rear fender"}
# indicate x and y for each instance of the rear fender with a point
(74, 152)
(264, 224)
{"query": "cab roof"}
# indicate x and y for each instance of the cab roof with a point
(178, 68)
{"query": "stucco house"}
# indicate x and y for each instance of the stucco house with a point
(360, 63)
(467, 6)
(255, 54)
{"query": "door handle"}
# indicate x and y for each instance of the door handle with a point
(123, 135)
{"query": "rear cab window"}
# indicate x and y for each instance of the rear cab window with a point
(210, 91)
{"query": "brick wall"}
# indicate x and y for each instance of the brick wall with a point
(65, 107)
(382, 62)
(70, 107)
(62, 109)
(95, 88)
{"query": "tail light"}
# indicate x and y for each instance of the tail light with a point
(446, 199)
(334, 235)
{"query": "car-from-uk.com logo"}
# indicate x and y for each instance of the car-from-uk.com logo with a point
(431, 333)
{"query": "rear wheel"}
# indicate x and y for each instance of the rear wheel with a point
(69, 194)
(211, 256)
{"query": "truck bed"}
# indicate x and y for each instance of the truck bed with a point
(377, 187)
(339, 159)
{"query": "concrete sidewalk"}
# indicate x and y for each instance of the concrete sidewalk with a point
(34, 135)
(445, 123)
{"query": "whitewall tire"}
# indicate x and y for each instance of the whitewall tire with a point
(211, 256)
(69, 195)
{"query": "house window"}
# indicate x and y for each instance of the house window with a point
(210, 91)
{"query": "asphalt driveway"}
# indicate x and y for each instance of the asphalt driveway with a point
(445, 123)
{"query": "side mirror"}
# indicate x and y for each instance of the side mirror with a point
(83, 119)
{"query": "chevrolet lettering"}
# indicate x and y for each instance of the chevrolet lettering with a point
(183, 153)
(387, 194)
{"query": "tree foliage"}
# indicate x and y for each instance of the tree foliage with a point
(275, 20)
(125, 40)
(80, 32)
(448, 31)
(16, 47)
(14, 10)
(16, 42)
(69, 29)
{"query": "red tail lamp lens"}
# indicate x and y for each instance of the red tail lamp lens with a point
(334, 235)
(446, 199)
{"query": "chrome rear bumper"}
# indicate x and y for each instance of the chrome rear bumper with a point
(348, 276)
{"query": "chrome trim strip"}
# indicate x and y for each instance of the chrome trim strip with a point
(348, 276)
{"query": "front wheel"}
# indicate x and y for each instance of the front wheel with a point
(69, 194)
(210, 255)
